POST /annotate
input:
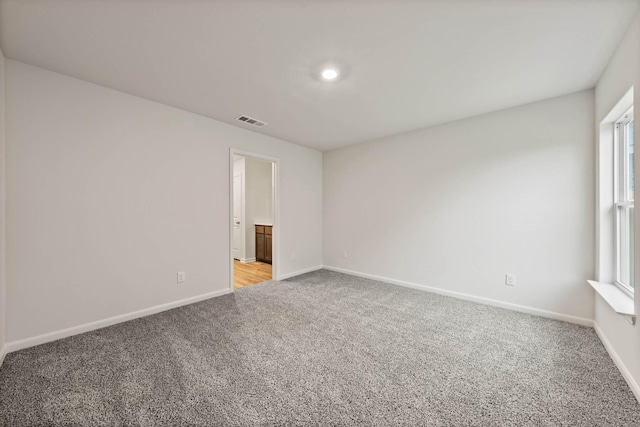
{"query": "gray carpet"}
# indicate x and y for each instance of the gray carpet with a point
(322, 348)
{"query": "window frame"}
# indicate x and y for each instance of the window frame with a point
(621, 201)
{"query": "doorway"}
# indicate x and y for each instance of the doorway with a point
(254, 219)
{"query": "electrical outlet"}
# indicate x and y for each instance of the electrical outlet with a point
(344, 254)
(182, 276)
(510, 279)
(293, 256)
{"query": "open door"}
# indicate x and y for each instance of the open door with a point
(253, 219)
(237, 217)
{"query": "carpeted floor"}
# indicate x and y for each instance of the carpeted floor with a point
(322, 348)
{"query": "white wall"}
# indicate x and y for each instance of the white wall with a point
(621, 74)
(3, 210)
(458, 205)
(109, 195)
(259, 205)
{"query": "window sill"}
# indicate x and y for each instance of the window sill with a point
(620, 302)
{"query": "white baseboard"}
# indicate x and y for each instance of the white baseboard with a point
(87, 327)
(246, 260)
(633, 385)
(299, 272)
(3, 353)
(487, 301)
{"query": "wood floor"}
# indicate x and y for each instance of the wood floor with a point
(250, 273)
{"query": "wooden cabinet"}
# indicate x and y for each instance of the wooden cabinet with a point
(264, 238)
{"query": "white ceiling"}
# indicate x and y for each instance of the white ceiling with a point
(405, 64)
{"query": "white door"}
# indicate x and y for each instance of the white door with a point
(237, 217)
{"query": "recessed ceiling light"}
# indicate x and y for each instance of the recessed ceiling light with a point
(329, 74)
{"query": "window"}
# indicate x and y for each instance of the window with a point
(624, 194)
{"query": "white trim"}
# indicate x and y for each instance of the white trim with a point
(275, 266)
(87, 327)
(617, 299)
(633, 385)
(486, 301)
(3, 353)
(247, 260)
(299, 272)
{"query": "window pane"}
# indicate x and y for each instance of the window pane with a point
(631, 249)
(625, 245)
(629, 138)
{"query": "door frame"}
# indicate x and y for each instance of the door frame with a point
(275, 195)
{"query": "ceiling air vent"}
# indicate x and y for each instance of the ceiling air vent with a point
(253, 122)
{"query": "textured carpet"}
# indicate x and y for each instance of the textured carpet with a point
(322, 348)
